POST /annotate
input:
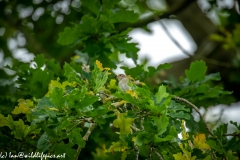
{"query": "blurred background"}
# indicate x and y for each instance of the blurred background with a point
(168, 31)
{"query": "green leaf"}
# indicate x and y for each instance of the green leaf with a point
(54, 66)
(99, 111)
(212, 77)
(215, 146)
(124, 155)
(174, 106)
(72, 75)
(167, 138)
(39, 82)
(65, 150)
(197, 71)
(173, 132)
(20, 130)
(109, 4)
(87, 101)
(140, 73)
(129, 48)
(92, 5)
(220, 130)
(144, 92)
(152, 70)
(143, 137)
(43, 111)
(88, 25)
(57, 98)
(236, 125)
(76, 95)
(137, 72)
(150, 127)
(6, 121)
(51, 132)
(40, 60)
(99, 78)
(213, 93)
(162, 123)
(68, 36)
(126, 97)
(230, 155)
(176, 110)
(180, 114)
(76, 138)
(43, 143)
(122, 15)
(161, 94)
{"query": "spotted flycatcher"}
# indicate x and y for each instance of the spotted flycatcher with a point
(123, 82)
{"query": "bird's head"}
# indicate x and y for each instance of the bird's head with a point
(121, 76)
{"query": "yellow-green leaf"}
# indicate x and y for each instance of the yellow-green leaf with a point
(119, 146)
(123, 123)
(24, 106)
(200, 142)
(112, 84)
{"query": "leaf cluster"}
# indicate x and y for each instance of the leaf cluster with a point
(140, 120)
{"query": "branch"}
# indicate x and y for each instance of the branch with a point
(150, 153)
(197, 110)
(158, 154)
(218, 63)
(137, 152)
(82, 119)
(233, 134)
(173, 10)
(172, 38)
(74, 126)
(141, 123)
(208, 60)
(135, 128)
(85, 138)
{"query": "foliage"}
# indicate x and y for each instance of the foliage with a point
(151, 120)
(79, 112)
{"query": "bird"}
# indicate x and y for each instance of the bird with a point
(123, 82)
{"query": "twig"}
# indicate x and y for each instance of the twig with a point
(233, 134)
(150, 153)
(85, 138)
(82, 119)
(218, 63)
(197, 110)
(141, 23)
(208, 60)
(135, 128)
(141, 123)
(143, 114)
(158, 154)
(74, 126)
(125, 107)
(137, 152)
(212, 156)
(172, 38)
